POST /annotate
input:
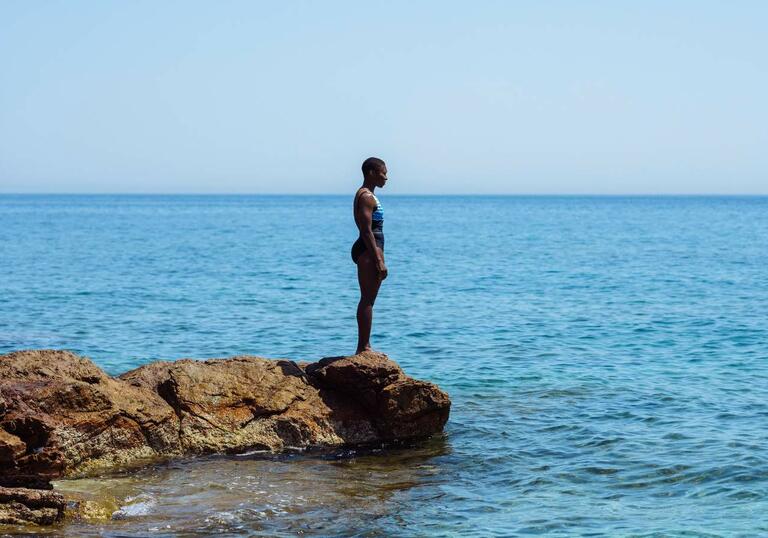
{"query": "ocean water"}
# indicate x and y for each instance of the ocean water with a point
(607, 357)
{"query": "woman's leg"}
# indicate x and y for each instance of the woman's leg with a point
(368, 278)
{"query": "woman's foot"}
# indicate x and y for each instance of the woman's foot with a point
(366, 348)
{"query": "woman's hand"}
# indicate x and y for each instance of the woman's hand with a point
(382, 269)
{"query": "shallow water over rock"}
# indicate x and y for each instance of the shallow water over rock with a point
(335, 494)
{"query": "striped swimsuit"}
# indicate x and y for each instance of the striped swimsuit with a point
(377, 227)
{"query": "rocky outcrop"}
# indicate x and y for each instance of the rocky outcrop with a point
(30, 506)
(60, 415)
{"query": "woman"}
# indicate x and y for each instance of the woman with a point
(368, 250)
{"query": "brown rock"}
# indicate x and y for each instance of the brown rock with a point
(401, 407)
(409, 407)
(72, 418)
(60, 415)
(242, 403)
(11, 447)
(362, 376)
(30, 506)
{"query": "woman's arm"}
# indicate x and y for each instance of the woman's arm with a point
(364, 220)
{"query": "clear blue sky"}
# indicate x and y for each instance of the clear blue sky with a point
(459, 97)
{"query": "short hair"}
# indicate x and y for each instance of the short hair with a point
(371, 164)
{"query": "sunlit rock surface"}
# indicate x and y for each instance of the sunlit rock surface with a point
(62, 416)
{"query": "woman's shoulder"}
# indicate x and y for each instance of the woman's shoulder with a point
(365, 193)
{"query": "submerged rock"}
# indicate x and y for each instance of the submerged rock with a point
(60, 415)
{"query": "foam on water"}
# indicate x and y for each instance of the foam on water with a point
(140, 505)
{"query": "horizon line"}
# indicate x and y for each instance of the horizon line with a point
(597, 194)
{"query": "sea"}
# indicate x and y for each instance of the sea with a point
(606, 356)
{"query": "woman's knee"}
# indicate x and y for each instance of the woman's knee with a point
(366, 300)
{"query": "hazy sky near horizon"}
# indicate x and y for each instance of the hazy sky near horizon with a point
(458, 97)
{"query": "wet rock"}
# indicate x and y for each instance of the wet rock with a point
(30, 506)
(62, 416)
(90, 510)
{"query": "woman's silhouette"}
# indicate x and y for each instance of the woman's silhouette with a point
(368, 250)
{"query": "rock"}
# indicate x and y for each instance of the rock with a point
(11, 447)
(362, 376)
(243, 403)
(62, 416)
(30, 506)
(90, 510)
(408, 407)
(401, 407)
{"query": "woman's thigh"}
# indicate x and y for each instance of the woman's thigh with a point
(368, 276)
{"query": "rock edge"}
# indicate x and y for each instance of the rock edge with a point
(62, 416)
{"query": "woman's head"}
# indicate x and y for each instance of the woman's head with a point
(374, 171)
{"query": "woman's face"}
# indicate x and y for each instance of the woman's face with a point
(381, 176)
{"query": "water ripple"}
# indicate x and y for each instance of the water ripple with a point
(606, 357)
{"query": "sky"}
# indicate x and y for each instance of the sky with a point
(485, 97)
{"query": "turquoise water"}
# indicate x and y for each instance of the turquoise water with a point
(607, 357)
